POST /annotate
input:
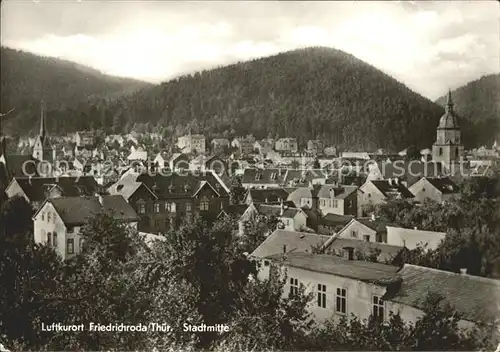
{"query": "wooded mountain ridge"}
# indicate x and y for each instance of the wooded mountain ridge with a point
(307, 93)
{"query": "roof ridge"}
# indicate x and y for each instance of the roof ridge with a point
(451, 273)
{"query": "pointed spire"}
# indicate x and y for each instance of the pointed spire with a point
(449, 102)
(42, 121)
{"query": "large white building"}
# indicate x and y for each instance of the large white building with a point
(192, 143)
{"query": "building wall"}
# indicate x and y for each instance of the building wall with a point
(371, 195)
(331, 206)
(261, 185)
(42, 226)
(423, 190)
(359, 295)
(360, 231)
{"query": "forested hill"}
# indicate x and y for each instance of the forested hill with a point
(26, 79)
(479, 101)
(307, 93)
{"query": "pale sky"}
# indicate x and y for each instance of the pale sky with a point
(429, 46)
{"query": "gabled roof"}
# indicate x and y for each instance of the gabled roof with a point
(184, 185)
(335, 220)
(293, 240)
(412, 238)
(392, 190)
(476, 298)
(35, 188)
(376, 225)
(76, 211)
(381, 274)
(271, 176)
(444, 185)
(275, 209)
(415, 169)
(269, 195)
(338, 192)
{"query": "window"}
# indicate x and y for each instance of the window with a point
(157, 207)
(440, 151)
(43, 216)
(168, 207)
(266, 263)
(321, 296)
(204, 204)
(167, 223)
(157, 223)
(335, 203)
(354, 234)
(49, 243)
(173, 207)
(456, 153)
(70, 246)
(48, 216)
(423, 189)
(294, 286)
(80, 244)
(54, 239)
(142, 208)
(54, 218)
(366, 238)
(378, 308)
(341, 301)
(188, 207)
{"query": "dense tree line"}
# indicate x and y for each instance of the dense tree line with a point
(197, 275)
(309, 93)
(471, 221)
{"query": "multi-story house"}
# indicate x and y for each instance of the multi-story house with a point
(437, 189)
(286, 145)
(328, 199)
(84, 138)
(219, 144)
(266, 178)
(168, 199)
(58, 221)
(342, 287)
(37, 189)
(315, 147)
(365, 229)
(244, 145)
(380, 191)
(406, 172)
(204, 163)
(271, 195)
(263, 147)
(288, 217)
(192, 143)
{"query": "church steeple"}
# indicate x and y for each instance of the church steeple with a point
(43, 129)
(449, 103)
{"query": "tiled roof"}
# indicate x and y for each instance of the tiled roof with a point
(275, 210)
(272, 176)
(267, 195)
(444, 185)
(339, 192)
(35, 187)
(387, 252)
(414, 169)
(476, 298)
(15, 164)
(377, 273)
(174, 185)
(335, 220)
(77, 210)
(393, 190)
(293, 240)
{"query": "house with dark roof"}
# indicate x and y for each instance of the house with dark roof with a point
(365, 229)
(165, 200)
(263, 178)
(330, 224)
(58, 221)
(270, 195)
(377, 192)
(440, 189)
(37, 189)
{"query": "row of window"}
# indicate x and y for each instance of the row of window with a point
(354, 234)
(378, 305)
(332, 203)
(204, 205)
(51, 217)
(51, 239)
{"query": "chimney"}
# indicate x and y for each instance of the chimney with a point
(282, 208)
(463, 271)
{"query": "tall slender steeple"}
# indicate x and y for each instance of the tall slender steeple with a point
(43, 129)
(449, 103)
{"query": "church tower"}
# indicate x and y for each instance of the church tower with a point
(43, 150)
(448, 148)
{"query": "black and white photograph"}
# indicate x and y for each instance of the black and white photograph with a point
(249, 175)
